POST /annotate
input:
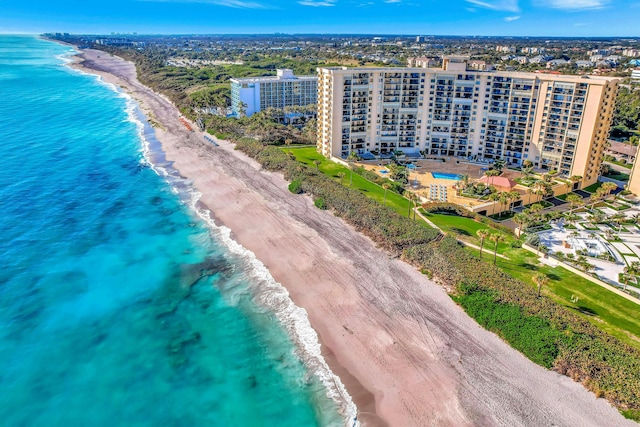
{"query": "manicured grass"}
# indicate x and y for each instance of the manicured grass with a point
(600, 306)
(593, 187)
(307, 155)
(619, 206)
(588, 226)
(465, 229)
(623, 164)
(618, 176)
(544, 204)
(527, 182)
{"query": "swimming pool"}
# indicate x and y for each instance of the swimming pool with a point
(451, 176)
(383, 171)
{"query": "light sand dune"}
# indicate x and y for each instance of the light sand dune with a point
(406, 353)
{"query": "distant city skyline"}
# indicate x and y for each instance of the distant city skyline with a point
(563, 18)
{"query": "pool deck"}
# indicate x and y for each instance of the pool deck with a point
(420, 178)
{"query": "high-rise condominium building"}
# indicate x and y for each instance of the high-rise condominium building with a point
(250, 95)
(558, 122)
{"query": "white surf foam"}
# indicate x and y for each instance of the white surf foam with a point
(295, 320)
(272, 294)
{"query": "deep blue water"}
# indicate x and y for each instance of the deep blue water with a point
(118, 305)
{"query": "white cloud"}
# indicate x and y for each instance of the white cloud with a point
(575, 4)
(237, 4)
(504, 5)
(512, 18)
(318, 3)
(392, 1)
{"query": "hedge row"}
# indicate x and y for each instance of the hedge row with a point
(546, 332)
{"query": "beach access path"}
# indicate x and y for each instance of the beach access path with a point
(407, 354)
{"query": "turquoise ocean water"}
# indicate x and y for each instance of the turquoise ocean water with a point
(119, 306)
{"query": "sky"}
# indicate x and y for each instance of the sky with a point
(597, 18)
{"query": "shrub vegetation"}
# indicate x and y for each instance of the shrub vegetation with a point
(545, 331)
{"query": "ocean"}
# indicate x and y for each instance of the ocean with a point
(120, 303)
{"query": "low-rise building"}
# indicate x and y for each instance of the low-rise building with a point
(622, 151)
(423, 62)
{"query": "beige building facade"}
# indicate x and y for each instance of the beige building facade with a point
(634, 178)
(558, 122)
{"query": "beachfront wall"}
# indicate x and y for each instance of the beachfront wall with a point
(557, 122)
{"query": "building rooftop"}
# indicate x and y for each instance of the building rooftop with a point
(282, 75)
(513, 74)
(621, 148)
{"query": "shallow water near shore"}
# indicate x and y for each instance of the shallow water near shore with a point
(118, 305)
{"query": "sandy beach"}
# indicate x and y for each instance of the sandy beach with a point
(406, 353)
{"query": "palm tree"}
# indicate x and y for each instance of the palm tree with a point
(482, 234)
(491, 173)
(574, 179)
(317, 163)
(410, 196)
(353, 157)
(520, 219)
(538, 189)
(571, 217)
(341, 175)
(464, 183)
(504, 200)
(513, 196)
(499, 165)
(496, 238)
(607, 188)
(596, 217)
(536, 207)
(540, 280)
(597, 197)
(619, 218)
(386, 187)
(494, 197)
(632, 269)
(573, 200)
(544, 250)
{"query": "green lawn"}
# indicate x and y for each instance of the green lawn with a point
(593, 187)
(603, 308)
(308, 154)
(623, 164)
(600, 306)
(466, 228)
(618, 176)
(544, 204)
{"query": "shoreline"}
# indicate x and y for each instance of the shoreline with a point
(405, 352)
(291, 317)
